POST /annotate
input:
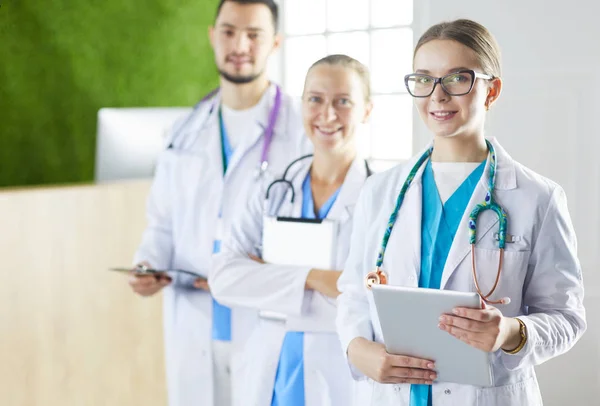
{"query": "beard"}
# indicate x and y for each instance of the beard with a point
(239, 79)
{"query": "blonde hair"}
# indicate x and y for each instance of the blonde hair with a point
(350, 63)
(472, 35)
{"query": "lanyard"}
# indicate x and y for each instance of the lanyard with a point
(225, 145)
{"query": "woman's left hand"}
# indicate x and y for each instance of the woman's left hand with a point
(256, 259)
(486, 329)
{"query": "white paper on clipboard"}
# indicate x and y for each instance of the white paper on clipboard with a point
(303, 242)
(296, 241)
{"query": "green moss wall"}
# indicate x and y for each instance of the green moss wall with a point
(62, 60)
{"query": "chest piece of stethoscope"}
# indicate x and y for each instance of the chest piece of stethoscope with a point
(376, 277)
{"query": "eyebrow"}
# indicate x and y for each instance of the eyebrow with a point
(316, 92)
(227, 25)
(426, 72)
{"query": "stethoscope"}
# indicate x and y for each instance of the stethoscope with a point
(290, 185)
(378, 276)
(268, 135)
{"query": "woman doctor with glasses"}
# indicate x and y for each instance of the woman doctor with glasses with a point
(462, 189)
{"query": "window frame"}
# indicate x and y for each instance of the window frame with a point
(378, 162)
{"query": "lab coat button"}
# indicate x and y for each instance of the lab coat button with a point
(397, 388)
(448, 392)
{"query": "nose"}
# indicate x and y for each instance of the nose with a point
(328, 112)
(242, 43)
(439, 94)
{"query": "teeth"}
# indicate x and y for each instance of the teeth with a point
(442, 114)
(327, 131)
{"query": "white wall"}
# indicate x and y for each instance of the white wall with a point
(547, 119)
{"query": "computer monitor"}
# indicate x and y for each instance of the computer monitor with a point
(130, 139)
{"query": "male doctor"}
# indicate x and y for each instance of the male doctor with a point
(244, 131)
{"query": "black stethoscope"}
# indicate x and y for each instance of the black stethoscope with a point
(289, 184)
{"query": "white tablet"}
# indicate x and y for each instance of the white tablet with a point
(409, 319)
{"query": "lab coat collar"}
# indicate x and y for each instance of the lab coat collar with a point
(256, 134)
(263, 119)
(409, 221)
(505, 168)
(505, 180)
(343, 206)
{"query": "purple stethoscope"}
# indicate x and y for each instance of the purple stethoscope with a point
(273, 114)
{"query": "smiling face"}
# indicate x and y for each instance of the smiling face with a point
(334, 105)
(453, 116)
(242, 39)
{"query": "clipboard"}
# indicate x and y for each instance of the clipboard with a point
(409, 319)
(147, 271)
(297, 241)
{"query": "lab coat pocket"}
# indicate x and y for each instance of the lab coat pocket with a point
(385, 394)
(238, 371)
(524, 393)
(242, 360)
(363, 392)
(512, 273)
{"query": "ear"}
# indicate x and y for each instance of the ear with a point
(494, 91)
(277, 42)
(211, 35)
(368, 110)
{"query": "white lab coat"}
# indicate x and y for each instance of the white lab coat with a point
(238, 281)
(183, 209)
(541, 275)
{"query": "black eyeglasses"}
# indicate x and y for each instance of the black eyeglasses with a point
(454, 84)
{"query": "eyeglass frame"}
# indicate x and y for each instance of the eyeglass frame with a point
(474, 75)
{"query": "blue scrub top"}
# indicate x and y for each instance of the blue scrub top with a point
(221, 315)
(289, 379)
(438, 228)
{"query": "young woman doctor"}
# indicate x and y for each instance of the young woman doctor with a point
(296, 360)
(429, 213)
